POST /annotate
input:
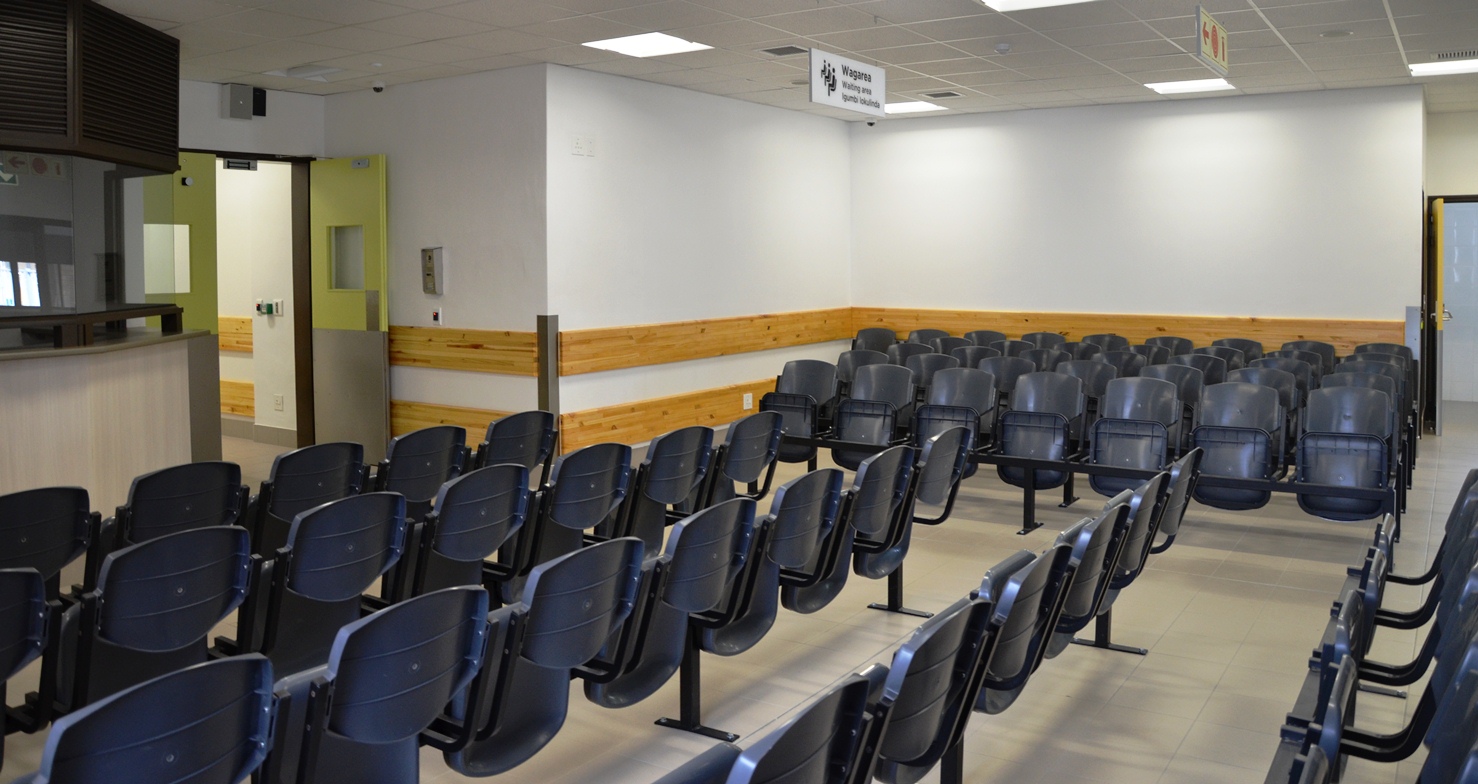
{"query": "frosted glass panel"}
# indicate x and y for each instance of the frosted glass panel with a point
(7, 286)
(1460, 297)
(347, 248)
(166, 258)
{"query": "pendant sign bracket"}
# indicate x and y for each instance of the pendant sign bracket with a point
(1211, 42)
(847, 84)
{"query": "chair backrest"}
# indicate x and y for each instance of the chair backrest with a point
(23, 619)
(1044, 339)
(479, 511)
(1302, 372)
(1452, 740)
(948, 344)
(964, 387)
(1094, 374)
(941, 463)
(1142, 503)
(1241, 405)
(525, 438)
(1184, 474)
(44, 529)
(879, 487)
(1144, 399)
(418, 463)
(1378, 381)
(802, 514)
(1127, 362)
(169, 592)
(1006, 370)
(1235, 359)
(339, 549)
(1012, 348)
(1081, 350)
(823, 743)
(1285, 383)
(1153, 355)
(849, 361)
(1399, 349)
(181, 498)
(970, 356)
(892, 384)
(673, 470)
(1108, 340)
(1349, 410)
(588, 484)
(205, 724)
(1176, 345)
(1046, 358)
(1096, 544)
(1394, 372)
(1025, 612)
(898, 353)
(314, 475)
(984, 337)
(1188, 381)
(925, 335)
(394, 672)
(874, 339)
(1324, 350)
(1049, 393)
(1213, 369)
(812, 377)
(750, 447)
(1251, 349)
(924, 366)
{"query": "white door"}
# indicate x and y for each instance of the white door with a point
(1460, 298)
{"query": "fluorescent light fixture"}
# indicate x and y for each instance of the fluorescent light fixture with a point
(1023, 5)
(1445, 67)
(312, 73)
(1191, 86)
(912, 107)
(648, 45)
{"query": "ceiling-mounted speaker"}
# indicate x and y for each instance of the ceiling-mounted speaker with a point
(238, 101)
(258, 102)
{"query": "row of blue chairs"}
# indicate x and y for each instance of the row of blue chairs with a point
(1320, 733)
(897, 723)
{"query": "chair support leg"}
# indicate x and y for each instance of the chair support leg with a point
(1068, 498)
(1383, 691)
(1103, 632)
(1028, 510)
(952, 766)
(895, 597)
(690, 707)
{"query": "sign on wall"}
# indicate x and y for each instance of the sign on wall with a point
(1211, 42)
(847, 84)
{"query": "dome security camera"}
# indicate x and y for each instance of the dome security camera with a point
(378, 87)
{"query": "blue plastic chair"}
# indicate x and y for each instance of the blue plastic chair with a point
(526, 439)
(300, 480)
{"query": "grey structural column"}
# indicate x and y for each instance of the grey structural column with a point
(548, 349)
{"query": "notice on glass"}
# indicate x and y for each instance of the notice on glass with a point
(847, 84)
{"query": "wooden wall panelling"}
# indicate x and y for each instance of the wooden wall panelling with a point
(408, 415)
(476, 350)
(238, 397)
(641, 420)
(614, 348)
(1345, 334)
(235, 334)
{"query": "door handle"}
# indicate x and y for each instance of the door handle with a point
(1446, 314)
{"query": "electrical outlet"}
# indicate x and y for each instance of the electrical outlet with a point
(748, 400)
(437, 316)
(277, 402)
(277, 309)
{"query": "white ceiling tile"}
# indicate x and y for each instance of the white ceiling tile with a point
(908, 11)
(436, 52)
(1072, 71)
(1373, 28)
(505, 13)
(1253, 40)
(1059, 56)
(1262, 54)
(177, 11)
(427, 26)
(576, 55)
(1358, 62)
(581, 29)
(964, 28)
(595, 6)
(505, 42)
(1305, 80)
(344, 12)
(201, 73)
(197, 41)
(1142, 64)
(495, 62)
(1080, 15)
(266, 23)
(882, 37)
(1436, 24)
(828, 20)
(734, 33)
(359, 39)
(1346, 47)
(271, 56)
(918, 53)
(1269, 69)
(1164, 9)
(1158, 48)
(1020, 43)
(1335, 12)
(667, 15)
(1172, 75)
(1123, 90)
(1100, 35)
(632, 66)
(687, 76)
(757, 70)
(956, 66)
(365, 61)
(422, 5)
(982, 80)
(715, 58)
(750, 9)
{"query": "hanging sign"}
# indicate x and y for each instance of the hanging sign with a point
(847, 84)
(32, 163)
(1211, 42)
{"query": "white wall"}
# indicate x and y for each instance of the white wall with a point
(1452, 154)
(293, 125)
(693, 206)
(465, 165)
(1299, 205)
(254, 261)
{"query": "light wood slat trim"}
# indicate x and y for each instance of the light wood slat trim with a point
(477, 350)
(234, 333)
(408, 415)
(614, 348)
(1345, 334)
(642, 420)
(239, 398)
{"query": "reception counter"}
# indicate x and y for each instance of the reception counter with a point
(99, 415)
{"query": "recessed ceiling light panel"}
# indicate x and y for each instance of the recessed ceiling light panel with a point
(648, 45)
(1024, 5)
(1444, 68)
(1190, 86)
(912, 107)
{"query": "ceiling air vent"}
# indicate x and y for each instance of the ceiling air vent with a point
(1467, 55)
(785, 51)
(942, 94)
